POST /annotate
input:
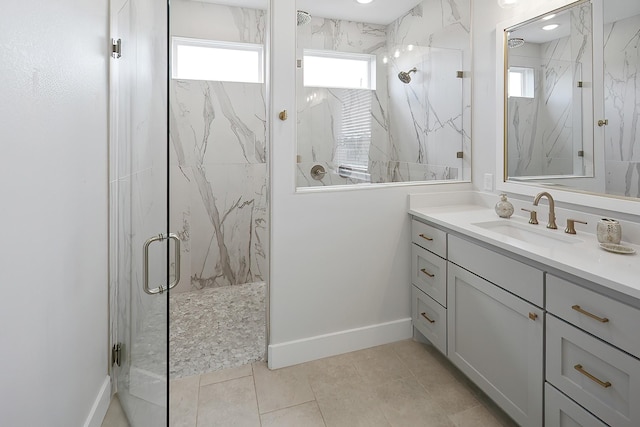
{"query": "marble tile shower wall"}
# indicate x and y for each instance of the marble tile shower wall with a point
(622, 106)
(546, 131)
(430, 118)
(416, 129)
(219, 170)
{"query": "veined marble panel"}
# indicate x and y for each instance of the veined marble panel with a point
(219, 177)
(207, 20)
(622, 105)
(427, 113)
(623, 178)
(218, 122)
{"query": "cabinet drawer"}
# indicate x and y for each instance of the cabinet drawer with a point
(429, 273)
(613, 321)
(598, 376)
(560, 411)
(514, 276)
(429, 238)
(430, 318)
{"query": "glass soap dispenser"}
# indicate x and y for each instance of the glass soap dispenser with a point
(504, 208)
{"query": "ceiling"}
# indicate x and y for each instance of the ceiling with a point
(532, 31)
(378, 12)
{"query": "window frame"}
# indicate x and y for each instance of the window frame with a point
(528, 76)
(176, 42)
(334, 54)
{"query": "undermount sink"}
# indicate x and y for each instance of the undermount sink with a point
(529, 233)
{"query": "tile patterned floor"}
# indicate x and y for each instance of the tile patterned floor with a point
(400, 384)
(217, 328)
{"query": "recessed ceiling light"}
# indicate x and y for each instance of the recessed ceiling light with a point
(364, 1)
(505, 4)
(546, 18)
(550, 27)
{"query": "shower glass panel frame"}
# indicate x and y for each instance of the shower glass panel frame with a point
(139, 237)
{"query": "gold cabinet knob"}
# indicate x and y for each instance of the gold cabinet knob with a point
(283, 115)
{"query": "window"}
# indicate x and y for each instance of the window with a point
(354, 138)
(521, 82)
(197, 59)
(329, 68)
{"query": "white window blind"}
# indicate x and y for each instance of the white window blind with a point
(354, 138)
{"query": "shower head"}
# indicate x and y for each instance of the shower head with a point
(405, 76)
(514, 42)
(303, 17)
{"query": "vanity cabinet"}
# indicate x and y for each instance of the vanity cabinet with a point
(547, 350)
(560, 411)
(592, 351)
(494, 336)
(429, 283)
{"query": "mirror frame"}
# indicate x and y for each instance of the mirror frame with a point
(626, 205)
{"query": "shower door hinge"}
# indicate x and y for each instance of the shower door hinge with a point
(116, 48)
(459, 154)
(116, 354)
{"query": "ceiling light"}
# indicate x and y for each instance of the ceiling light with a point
(546, 18)
(505, 4)
(364, 1)
(550, 27)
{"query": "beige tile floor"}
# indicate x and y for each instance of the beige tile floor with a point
(400, 384)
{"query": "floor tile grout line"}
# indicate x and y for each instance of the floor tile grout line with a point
(198, 401)
(226, 381)
(255, 393)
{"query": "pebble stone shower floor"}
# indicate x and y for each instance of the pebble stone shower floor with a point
(216, 328)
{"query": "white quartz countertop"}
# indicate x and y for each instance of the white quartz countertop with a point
(585, 258)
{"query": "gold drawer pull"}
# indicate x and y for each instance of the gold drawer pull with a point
(586, 313)
(424, 270)
(591, 377)
(427, 317)
(426, 238)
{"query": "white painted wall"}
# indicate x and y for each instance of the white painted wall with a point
(340, 260)
(53, 193)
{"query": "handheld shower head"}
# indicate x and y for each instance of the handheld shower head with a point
(405, 76)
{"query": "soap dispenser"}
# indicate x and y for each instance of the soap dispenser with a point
(504, 208)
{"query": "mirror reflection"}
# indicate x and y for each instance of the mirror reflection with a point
(621, 52)
(560, 130)
(549, 95)
(383, 91)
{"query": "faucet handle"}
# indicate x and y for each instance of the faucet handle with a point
(570, 225)
(533, 216)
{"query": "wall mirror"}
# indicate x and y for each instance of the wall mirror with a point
(548, 108)
(571, 101)
(383, 92)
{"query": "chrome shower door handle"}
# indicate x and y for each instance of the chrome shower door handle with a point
(145, 263)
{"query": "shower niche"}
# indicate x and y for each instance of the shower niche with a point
(391, 102)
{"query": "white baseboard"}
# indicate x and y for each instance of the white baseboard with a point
(307, 349)
(100, 405)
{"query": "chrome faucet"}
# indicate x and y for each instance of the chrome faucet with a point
(552, 213)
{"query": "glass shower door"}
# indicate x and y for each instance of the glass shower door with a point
(140, 248)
